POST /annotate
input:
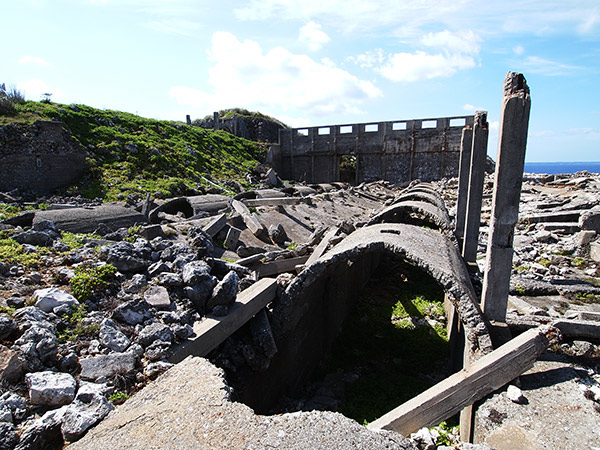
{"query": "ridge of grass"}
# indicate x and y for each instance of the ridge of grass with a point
(129, 154)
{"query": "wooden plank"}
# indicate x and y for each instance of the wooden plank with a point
(482, 377)
(215, 225)
(320, 249)
(213, 330)
(249, 219)
(273, 201)
(279, 266)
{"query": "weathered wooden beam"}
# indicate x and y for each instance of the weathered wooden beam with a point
(320, 249)
(279, 266)
(213, 330)
(274, 201)
(464, 388)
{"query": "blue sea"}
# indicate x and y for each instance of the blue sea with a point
(561, 167)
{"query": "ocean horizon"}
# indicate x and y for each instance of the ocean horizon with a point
(559, 167)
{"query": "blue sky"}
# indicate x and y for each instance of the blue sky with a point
(317, 62)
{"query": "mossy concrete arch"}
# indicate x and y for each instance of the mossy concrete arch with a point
(309, 314)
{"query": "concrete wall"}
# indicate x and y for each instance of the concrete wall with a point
(39, 157)
(399, 151)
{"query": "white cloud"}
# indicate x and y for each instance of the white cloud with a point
(368, 59)
(34, 60)
(313, 36)
(547, 67)
(518, 50)
(459, 42)
(33, 88)
(420, 65)
(243, 75)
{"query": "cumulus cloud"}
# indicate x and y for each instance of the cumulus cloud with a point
(466, 42)
(423, 66)
(244, 75)
(472, 108)
(518, 50)
(447, 53)
(34, 60)
(313, 36)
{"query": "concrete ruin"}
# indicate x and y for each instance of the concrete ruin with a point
(39, 157)
(398, 151)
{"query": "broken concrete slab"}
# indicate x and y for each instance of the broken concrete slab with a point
(190, 407)
(86, 220)
(416, 213)
(250, 219)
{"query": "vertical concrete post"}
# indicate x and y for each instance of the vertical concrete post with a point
(188, 119)
(464, 171)
(475, 194)
(514, 122)
(216, 120)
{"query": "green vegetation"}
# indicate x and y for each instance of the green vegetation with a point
(293, 246)
(584, 297)
(130, 154)
(118, 397)
(132, 233)
(76, 240)
(232, 112)
(75, 329)
(520, 289)
(89, 280)
(577, 261)
(394, 360)
(544, 262)
(7, 310)
(9, 99)
(12, 252)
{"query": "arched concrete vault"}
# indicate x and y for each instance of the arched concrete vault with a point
(417, 213)
(309, 314)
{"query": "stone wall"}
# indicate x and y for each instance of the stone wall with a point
(39, 157)
(399, 151)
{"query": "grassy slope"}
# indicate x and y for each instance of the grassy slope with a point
(133, 154)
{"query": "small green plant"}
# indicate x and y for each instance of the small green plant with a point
(118, 397)
(519, 289)
(76, 240)
(577, 261)
(293, 246)
(12, 252)
(544, 262)
(89, 280)
(522, 268)
(7, 310)
(585, 297)
(75, 329)
(132, 233)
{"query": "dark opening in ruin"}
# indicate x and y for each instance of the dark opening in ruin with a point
(347, 168)
(382, 344)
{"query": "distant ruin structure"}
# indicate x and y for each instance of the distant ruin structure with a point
(398, 151)
(39, 157)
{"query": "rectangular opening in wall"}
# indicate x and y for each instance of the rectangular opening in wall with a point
(324, 130)
(372, 128)
(303, 132)
(346, 129)
(347, 168)
(429, 124)
(399, 126)
(458, 122)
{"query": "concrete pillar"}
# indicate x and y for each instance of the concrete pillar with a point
(188, 119)
(464, 170)
(475, 194)
(514, 122)
(216, 120)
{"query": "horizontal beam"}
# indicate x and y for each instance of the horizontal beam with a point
(464, 388)
(212, 331)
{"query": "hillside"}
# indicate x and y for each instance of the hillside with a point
(129, 154)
